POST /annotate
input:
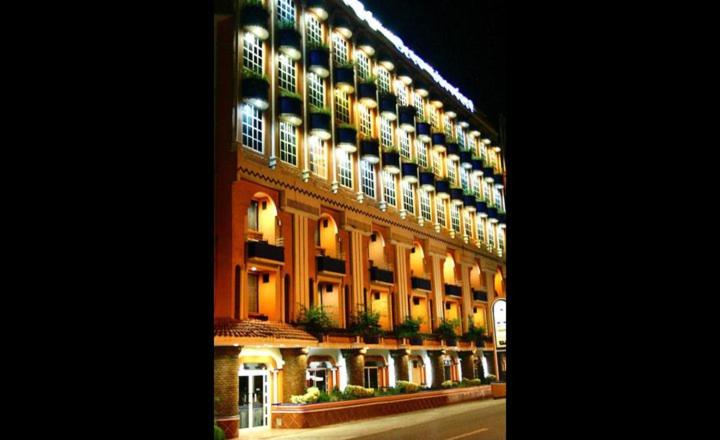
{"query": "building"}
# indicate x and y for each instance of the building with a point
(348, 174)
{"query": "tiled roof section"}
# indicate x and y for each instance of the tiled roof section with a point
(254, 328)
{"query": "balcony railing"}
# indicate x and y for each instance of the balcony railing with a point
(453, 290)
(479, 295)
(381, 275)
(266, 251)
(329, 264)
(420, 283)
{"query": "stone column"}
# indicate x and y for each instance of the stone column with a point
(467, 362)
(438, 367)
(401, 359)
(357, 268)
(355, 365)
(226, 389)
(466, 297)
(294, 372)
(438, 289)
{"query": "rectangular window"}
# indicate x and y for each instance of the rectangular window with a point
(486, 194)
(425, 210)
(286, 73)
(363, 64)
(365, 120)
(491, 235)
(318, 162)
(447, 123)
(402, 93)
(408, 197)
(455, 217)
(475, 185)
(386, 133)
(252, 292)
(420, 106)
(316, 90)
(433, 114)
(440, 211)
(472, 145)
(501, 240)
(342, 106)
(367, 178)
(452, 175)
(483, 151)
(467, 224)
(340, 49)
(252, 53)
(464, 179)
(252, 215)
(288, 143)
(285, 10)
(460, 136)
(421, 152)
(497, 197)
(314, 29)
(345, 168)
(252, 128)
(389, 183)
(404, 144)
(480, 221)
(437, 163)
(383, 80)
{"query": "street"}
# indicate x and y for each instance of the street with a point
(479, 420)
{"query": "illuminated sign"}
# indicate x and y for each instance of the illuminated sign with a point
(500, 323)
(375, 25)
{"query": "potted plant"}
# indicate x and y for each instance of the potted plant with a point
(474, 334)
(406, 118)
(423, 129)
(320, 122)
(289, 40)
(315, 320)
(388, 106)
(366, 324)
(466, 158)
(255, 87)
(318, 59)
(290, 107)
(427, 179)
(453, 149)
(254, 19)
(409, 329)
(446, 330)
(346, 137)
(344, 76)
(369, 149)
(391, 160)
(438, 141)
(367, 92)
(409, 171)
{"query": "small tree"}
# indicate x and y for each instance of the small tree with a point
(446, 329)
(475, 334)
(408, 328)
(365, 323)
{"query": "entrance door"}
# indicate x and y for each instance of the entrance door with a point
(253, 399)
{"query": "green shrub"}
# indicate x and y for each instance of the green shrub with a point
(446, 329)
(366, 323)
(470, 382)
(315, 320)
(357, 392)
(488, 379)
(448, 384)
(311, 396)
(406, 387)
(218, 434)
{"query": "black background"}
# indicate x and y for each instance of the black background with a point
(115, 318)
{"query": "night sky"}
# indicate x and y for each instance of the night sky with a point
(464, 40)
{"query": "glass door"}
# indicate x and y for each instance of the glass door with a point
(253, 402)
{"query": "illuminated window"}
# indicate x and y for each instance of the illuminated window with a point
(342, 106)
(501, 240)
(455, 217)
(389, 183)
(318, 161)
(285, 10)
(460, 136)
(471, 144)
(440, 211)
(386, 133)
(340, 48)
(475, 185)
(402, 93)
(404, 144)
(383, 79)
(452, 175)
(491, 235)
(425, 210)
(408, 197)
(420, 106)
(286, 73)
(421, 152)
(365, 120)
(433, 114)
(467, 224)
(464, 179)
(486, 193)
(447, 123)
(316, 90)
(498, 199)
(288, 143)
(252, 53)
(252, 128)
(437, 163)
(480, 222)
(367, 178)
(345, 168)
(314, 29)
(483, 151)
(363, 64)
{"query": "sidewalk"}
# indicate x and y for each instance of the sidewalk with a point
(371, 426)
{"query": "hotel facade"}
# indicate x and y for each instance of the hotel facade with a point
(349, 175)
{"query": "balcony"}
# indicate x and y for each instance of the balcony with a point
(329, 264)
(262, 250)
(420, 283)
(453, 290)
(381, 275)
(479, 295)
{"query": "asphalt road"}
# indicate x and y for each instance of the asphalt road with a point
(478, 420)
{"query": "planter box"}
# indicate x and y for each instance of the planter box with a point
(254, 19)
(381, 275)
(499, 390)
(423, 131)
(290, 110)
(255, 92)
(391, 162)
(453, 150)
(328, 413)
(453, 290)
(442, 186)
(417, 340)
(388, 104)
(264, 251)
(367, 94)
(371, 339)
(420, 283)
(466, 159)
(289, 43)
(479, 295)
(438, 142)
(457, 194)
(345, 138)
(406, 118)
(345, 78)
(328, 264)
(320, 125)
(451, 342)
(370, 150)
(319, 62)
(410, 172)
